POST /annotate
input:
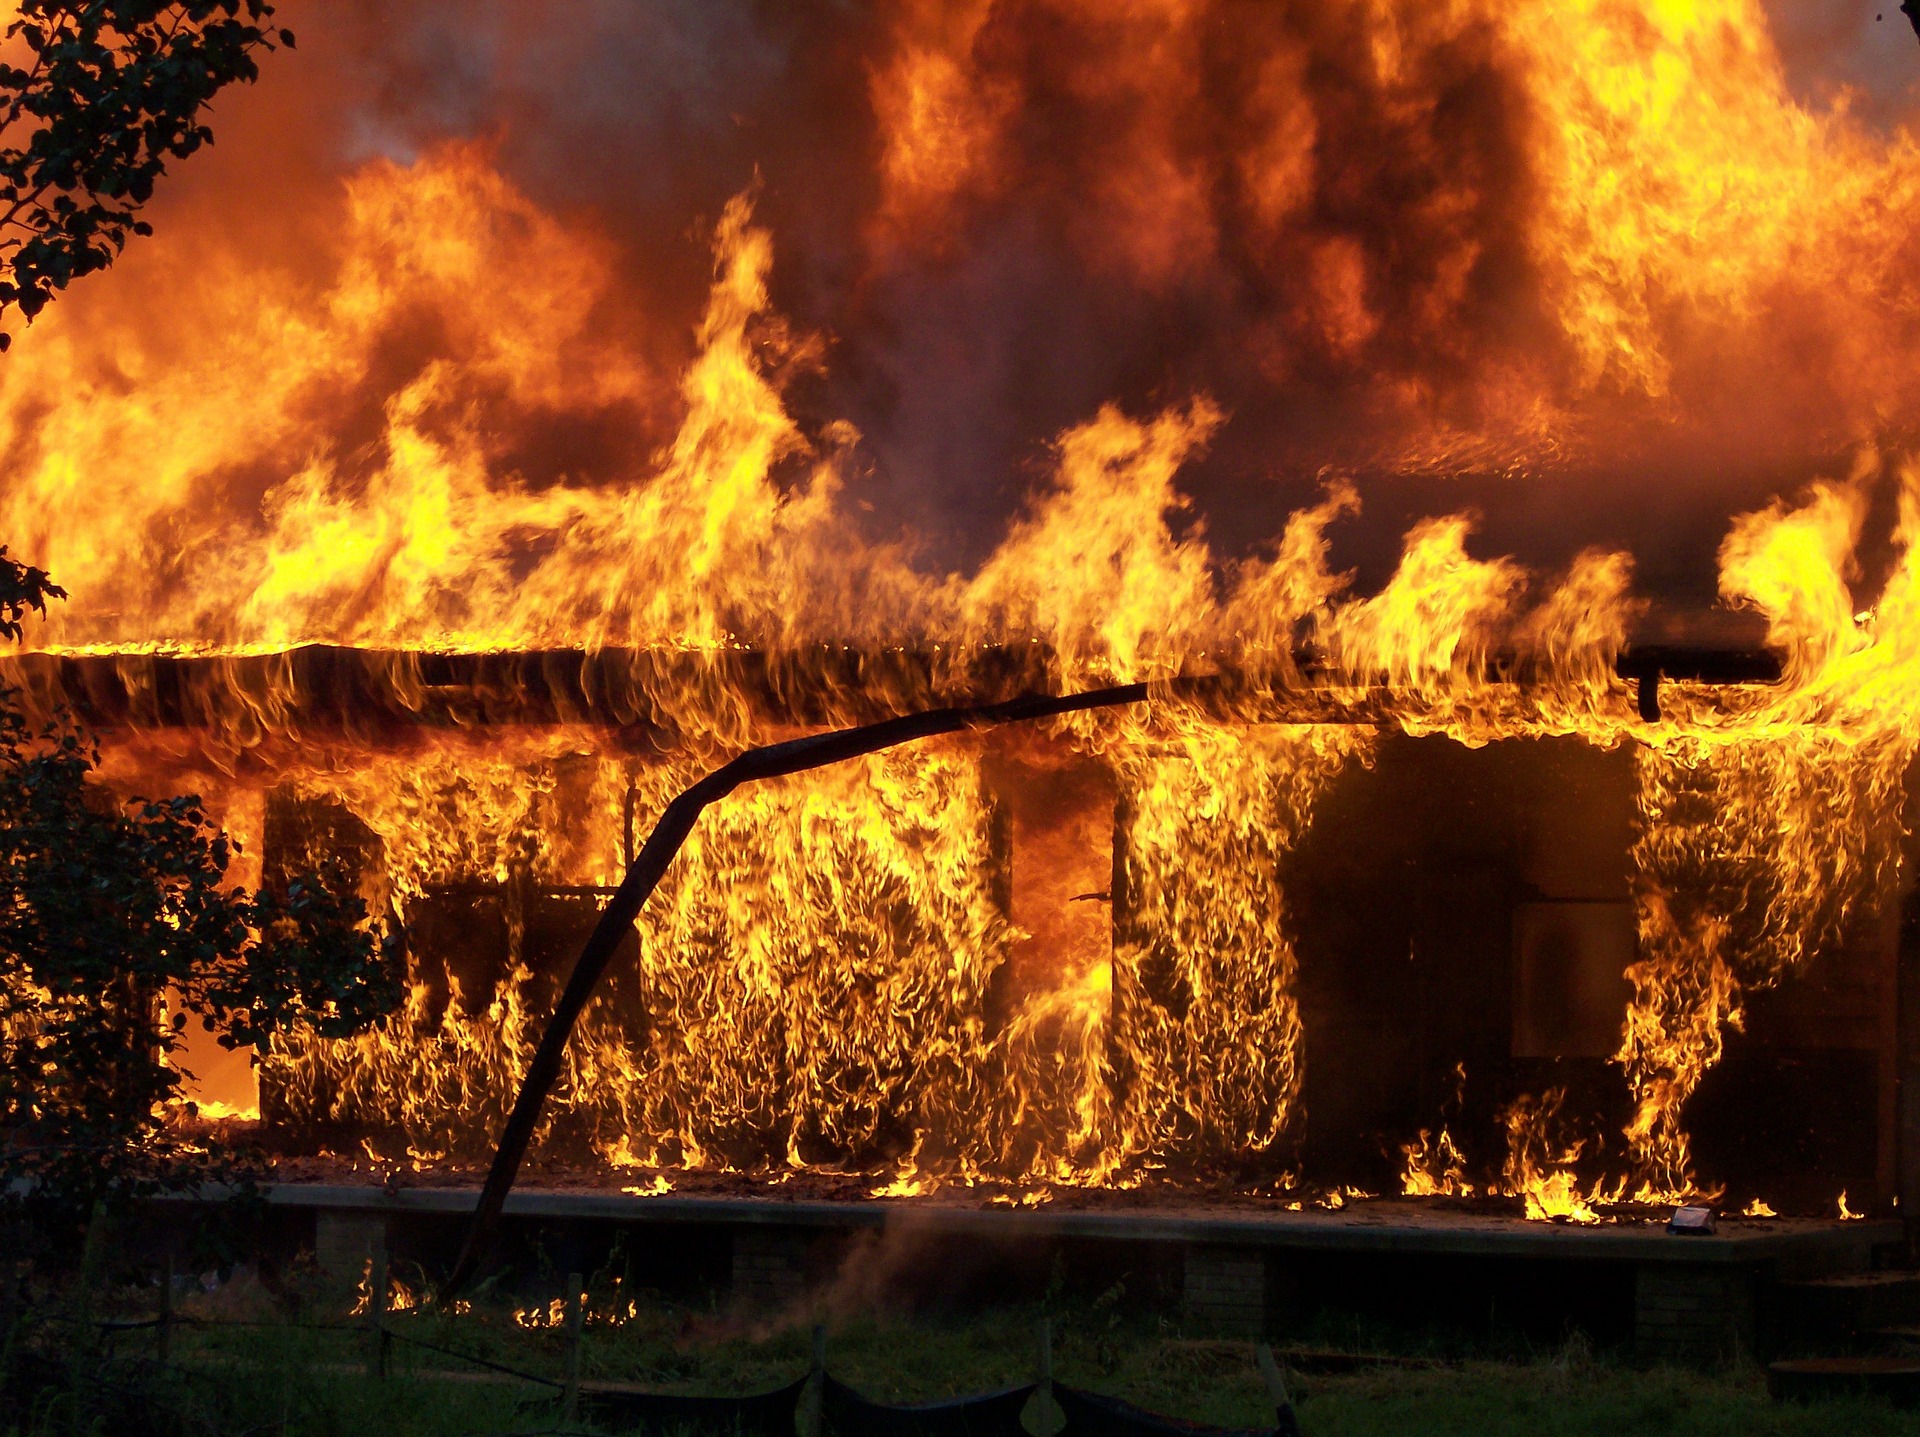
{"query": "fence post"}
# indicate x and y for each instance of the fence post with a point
(1286, 1421)
(1043, 1379)
(165, 1315)
(816, 1389)
(576, 1327)
(93, 1259)
(377, 1342)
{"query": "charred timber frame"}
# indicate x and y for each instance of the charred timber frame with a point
(368, 694)
(875, 698)
(771, 761)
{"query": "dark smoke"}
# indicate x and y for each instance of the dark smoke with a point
(1038, 291)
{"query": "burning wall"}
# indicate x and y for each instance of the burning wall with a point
(1230, 271)
(1304, 946)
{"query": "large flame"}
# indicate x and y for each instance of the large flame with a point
(1507, 236)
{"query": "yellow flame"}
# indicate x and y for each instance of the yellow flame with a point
(1540, 1168)
(1434, 1167)
(815, 982)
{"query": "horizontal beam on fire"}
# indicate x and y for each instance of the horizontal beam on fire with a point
(1382, 1225)
(368, 692)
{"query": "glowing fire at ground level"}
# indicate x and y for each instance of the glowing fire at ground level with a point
(1310, 961)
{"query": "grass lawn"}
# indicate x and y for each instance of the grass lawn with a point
(273, 1377)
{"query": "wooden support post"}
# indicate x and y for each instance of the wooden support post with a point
(576, 1329)
(813, 1398)
(1906, 1139)
(1900, 1009)
(380, 1279)
(164, 1332)
(771, 761)
(1886, 1167)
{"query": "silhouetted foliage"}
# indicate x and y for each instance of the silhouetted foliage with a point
(116, 930)
(22, 588)
(103, 94)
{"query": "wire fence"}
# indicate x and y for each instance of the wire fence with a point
(813, 1405)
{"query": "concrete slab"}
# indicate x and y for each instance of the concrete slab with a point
(1692, 1299)
(1799, 1246)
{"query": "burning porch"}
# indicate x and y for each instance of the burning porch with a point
(1269, 968)
(1471, 882)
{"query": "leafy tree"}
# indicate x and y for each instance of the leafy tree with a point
(111, 910)
(106, 908)
(22, 588)
(106, 93)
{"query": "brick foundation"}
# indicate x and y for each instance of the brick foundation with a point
(770, 1266)
(1224, 1290)
(1692, 1315)
(344, 1242)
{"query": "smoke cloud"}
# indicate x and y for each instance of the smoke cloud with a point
(1603, 273)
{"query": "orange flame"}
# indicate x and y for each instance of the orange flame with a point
(816, 982)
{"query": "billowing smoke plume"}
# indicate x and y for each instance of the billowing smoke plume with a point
(1610, 273)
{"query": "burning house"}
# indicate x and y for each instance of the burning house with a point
(1487, 427)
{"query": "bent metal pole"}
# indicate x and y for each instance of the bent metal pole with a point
(650, 866)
